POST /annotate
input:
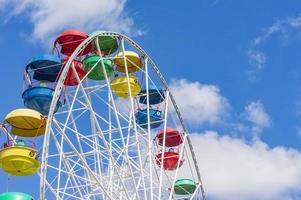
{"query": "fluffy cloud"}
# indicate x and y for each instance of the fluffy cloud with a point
(233, 169)
(256, 114)
(52, 16)
(199, 103)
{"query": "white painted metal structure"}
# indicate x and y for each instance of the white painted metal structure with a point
(93, 148)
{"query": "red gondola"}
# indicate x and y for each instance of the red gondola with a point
(69, 40)
(172, 137)
(171, 160)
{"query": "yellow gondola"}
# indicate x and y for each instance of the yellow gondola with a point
(120, 86)
(19, 160)
(26, 122)
(133, 61)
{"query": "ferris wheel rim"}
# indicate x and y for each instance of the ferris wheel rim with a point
(60, 85)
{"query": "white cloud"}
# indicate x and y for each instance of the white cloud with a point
(256, 114)
(277, 27)
(295, 22)
(257, 59)
(280, 26)
(233, 169)
(49, 17)
(199, 103)
(283, 27)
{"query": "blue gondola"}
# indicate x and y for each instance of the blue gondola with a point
(46, 67)
(156, 96)
(39, 99)
(155, 118)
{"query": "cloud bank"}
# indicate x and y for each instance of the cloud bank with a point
(232, 169)
(49, 17)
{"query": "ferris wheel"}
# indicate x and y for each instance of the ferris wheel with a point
(100, 123)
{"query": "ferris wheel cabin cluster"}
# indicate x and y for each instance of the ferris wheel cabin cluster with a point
(104, 60)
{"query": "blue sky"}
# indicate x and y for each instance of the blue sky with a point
(239, 58)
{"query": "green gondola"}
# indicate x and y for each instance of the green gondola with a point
(184, 187)
(15, 196)
(97, 72)
(107, 44)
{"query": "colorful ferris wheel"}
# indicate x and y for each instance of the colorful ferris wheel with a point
(99, 123)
